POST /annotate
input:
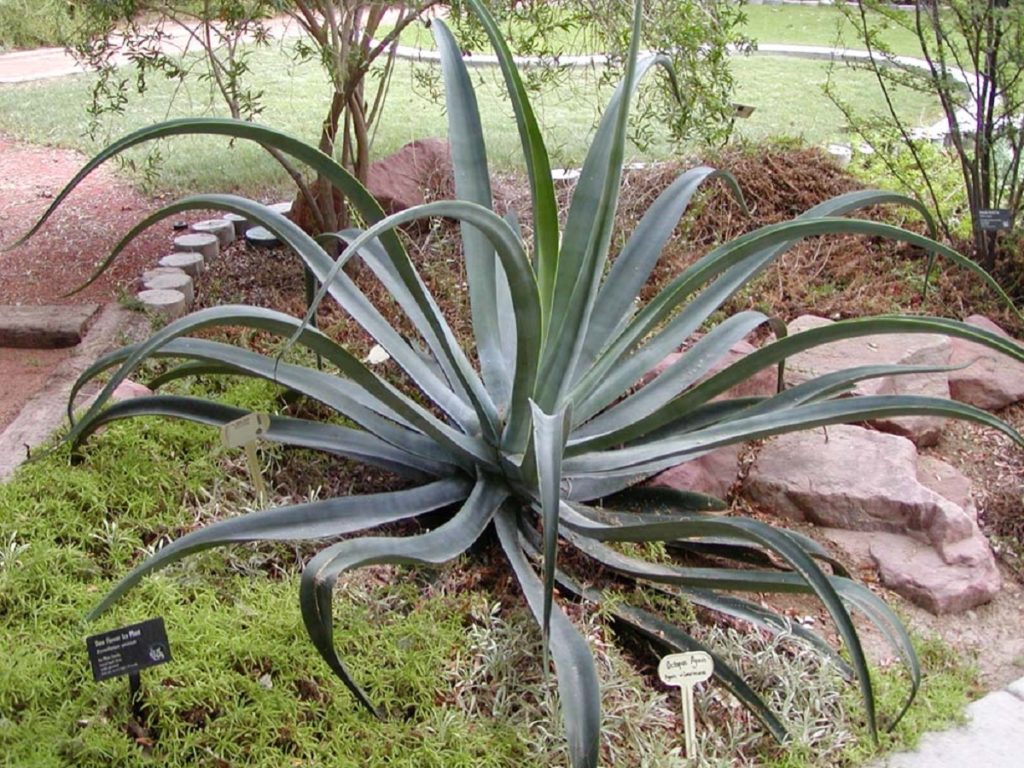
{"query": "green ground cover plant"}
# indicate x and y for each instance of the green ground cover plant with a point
(544, 441)
(459, 668)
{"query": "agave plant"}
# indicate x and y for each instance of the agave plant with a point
(545, 436)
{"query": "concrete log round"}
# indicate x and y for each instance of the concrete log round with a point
(222, 228)
(240, 223)
(190, 263)
(169, 281)
(261, 237)
(149, 274)
(167, 304)
(208, 245)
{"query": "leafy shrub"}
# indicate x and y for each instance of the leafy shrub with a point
(543, 441)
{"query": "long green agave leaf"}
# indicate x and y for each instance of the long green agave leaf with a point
(675, 640)
(588, 233)
(473, 183)
(538, 167)
(781, 349)
(316, 591)
(660, 511)
(313, 520)
(578, 688)
(763, 618)
(668, 636)
(299, 433)
(549, 434)
(661, 454)
(335, 282)
(374, 256)
(336, 392)
(814, 580)
(868, 603)
(521, 283)
(826, 386)
(367, 384)
(693, 365)
(633, 266)
(182, 371)
(737, 273)
(357, 196)
(280, 324)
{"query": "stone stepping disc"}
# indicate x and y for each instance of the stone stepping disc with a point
(190, 263)
(223, 229)
(208, 245)
(261, 237)
(240, 223)
(174, 282)
(168, 304)
(45, 326)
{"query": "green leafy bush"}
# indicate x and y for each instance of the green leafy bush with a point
(544, 440)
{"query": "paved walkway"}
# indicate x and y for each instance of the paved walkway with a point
(994, 735)
(992, 738)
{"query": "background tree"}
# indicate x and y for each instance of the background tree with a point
(973, 52)
(348, 37)
(354, 38)
(697, 35)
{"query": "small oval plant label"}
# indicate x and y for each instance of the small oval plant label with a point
(686, 668)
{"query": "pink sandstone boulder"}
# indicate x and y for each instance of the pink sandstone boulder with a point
(991, 381)
(920, 574)
(868, 484)
(901, 349)
(413, 175)
(713, 474)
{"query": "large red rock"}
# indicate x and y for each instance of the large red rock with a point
(913, 517)
(920, 574)
(417, 173)
(888, 349)
(854, 478)
(712, 474)
(992, 380)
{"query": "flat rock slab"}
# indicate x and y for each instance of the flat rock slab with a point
(990, 380)
(881, 349)
(45, 326)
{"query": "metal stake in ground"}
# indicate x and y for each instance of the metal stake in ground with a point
(685, 670)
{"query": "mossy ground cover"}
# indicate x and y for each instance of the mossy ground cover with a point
(450, 655)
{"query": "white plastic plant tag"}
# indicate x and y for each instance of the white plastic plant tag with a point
(247, 429)
(243, 433)
(685, 670)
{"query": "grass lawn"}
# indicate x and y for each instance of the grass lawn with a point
(817, 25)
(53, 112)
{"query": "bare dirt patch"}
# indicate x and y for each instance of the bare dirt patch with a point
(63, 254)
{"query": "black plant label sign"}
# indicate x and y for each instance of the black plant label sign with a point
(127, 650)
(992, 219)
